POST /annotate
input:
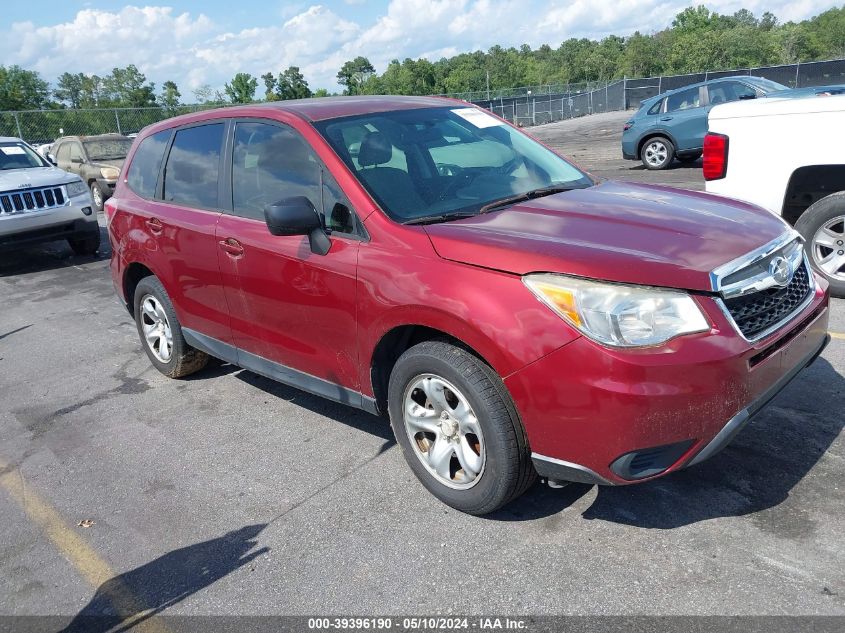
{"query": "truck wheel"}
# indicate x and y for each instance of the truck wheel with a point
(161, 333)
(458, 428)
(85, 245)
(823, 229)
(97, 197)
(657, 153)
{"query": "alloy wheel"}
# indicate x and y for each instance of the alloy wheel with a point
(656, 153)
(828, 248)
(156, 328)
(444, 431)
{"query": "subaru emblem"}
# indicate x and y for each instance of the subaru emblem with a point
(781, 271)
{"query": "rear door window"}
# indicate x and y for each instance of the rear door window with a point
(192, 171)
(146, 164)
(726, 91)
(684, 100)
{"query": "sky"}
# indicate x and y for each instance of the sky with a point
(206, 42)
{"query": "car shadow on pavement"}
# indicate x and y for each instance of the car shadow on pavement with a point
(355, 418)
(136, 595)
(755, 473)
(49, 256)
(696, 164)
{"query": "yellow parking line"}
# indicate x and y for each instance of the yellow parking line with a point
(837, 335)
(74, 548)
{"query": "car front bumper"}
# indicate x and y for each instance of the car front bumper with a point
(596, 415)
(68, 221)
(107, 187)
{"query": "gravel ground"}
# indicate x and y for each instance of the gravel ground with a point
(229, 494)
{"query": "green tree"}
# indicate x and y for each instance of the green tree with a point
(22, 89)
(69, 89)
(203, 93)
(292, 84)
(242, 88)
(354, 74)
(321, 92)
(128, 87)
(269, 87)
(170, 95)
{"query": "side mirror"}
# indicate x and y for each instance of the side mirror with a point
(297, 216)
(747, 97)
(52, 159)
(76, 160)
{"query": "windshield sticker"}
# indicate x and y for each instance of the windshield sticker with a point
(478, 118)
(12, 150)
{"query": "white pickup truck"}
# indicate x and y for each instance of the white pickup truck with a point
(788, 156)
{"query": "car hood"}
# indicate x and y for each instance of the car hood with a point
(615, 231)
(33, 177)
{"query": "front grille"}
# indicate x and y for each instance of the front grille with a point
(757, 312)
(25, 200)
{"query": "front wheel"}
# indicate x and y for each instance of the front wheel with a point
(458, 428)
(657, 153)
(823, 228)
(97, 197)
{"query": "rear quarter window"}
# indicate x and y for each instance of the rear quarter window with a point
(146, 164)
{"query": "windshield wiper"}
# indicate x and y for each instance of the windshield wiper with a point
(522, 197)
(433, 219)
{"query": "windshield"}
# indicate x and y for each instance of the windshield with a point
(767, 85)
(111, 149)
(444, 161)
(19, 156)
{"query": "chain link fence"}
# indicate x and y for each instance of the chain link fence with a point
(45, 126)
(535, 105)
(524, 106)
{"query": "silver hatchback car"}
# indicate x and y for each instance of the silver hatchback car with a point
(41, 203)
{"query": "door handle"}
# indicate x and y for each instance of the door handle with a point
(155, 225)
(232, 246)
(666, 118)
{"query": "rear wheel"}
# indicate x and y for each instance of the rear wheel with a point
(161, 333)
(657, 153)
(458, 429)
(823, 229)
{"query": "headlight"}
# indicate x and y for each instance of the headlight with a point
(619, 315)
(110, 173)
(76, 188)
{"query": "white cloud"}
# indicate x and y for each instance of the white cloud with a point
(193, 49)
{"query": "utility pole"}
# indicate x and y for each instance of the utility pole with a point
(488, 85)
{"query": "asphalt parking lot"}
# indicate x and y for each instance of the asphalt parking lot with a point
(229, 494)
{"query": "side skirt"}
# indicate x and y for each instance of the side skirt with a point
(278, 372)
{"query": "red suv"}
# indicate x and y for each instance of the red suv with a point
(422, 259)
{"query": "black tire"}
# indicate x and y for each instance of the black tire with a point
(184, 359)
(824, 212)
(85, 245)
(689, 158)
(651, 147)
(508, 471)
(97, 197)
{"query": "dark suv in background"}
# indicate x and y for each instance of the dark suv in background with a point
(97, 159)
